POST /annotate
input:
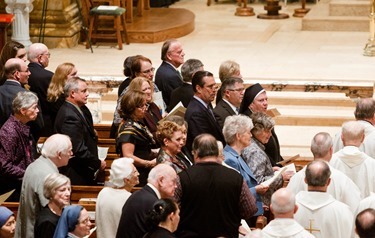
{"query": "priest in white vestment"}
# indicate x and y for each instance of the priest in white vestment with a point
(341, 186)
(111, 199)
(358, 166)
(283, 206)
(318, 212)
(368, 202)
(365, 114)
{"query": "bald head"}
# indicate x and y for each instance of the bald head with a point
(38, 53)
(164, 178)
(205, 145)
(353, 133)
(283, 203)
(365, 223)
(55, 146)
(16, 69)
(317, 174)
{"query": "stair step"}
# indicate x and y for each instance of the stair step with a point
(349, 8)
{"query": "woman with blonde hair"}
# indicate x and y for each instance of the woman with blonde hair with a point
(55, 92)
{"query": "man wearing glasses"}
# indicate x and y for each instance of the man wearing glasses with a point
(39, 81)
(232, 91)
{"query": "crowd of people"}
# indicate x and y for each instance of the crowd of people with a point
(212, 173)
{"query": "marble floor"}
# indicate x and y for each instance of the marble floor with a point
(265, 49)
(275, 50)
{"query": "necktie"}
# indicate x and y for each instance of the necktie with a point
(210, 109)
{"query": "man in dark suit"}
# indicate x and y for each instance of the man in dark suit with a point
(185, 92)
(167, 76)
(39, 80)
(17, 74)
(212, 197)
(232, 91)
(199, 114)
(75, 120)
(161, 184)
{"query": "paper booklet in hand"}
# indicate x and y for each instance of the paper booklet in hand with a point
(178, 110)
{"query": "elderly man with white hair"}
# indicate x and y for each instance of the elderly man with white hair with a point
(283, 206)
(357, 165)
(56, 152)
(123, 178)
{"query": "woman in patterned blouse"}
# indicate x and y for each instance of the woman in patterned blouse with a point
(171, 137)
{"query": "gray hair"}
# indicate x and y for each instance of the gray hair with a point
(121, 168)
(261, 122)
(234, 125)
(189, 68)
(160, 170)
(317, 173)
(35, 50)
(283, 201)
(72, 84)
(52, 182)
(165, 48)
(23, 100)
(229, 83)
(352, 131)
(55, 144)
(321, 144)
(365, 109)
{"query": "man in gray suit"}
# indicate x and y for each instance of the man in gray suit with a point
(232, 91)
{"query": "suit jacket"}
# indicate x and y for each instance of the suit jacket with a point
(222, 111)
(183, 94)
(234, 160)
(200, 121)
(82, 167)
(39, 80)
(134, 212)
(167, 78)
(8, 91)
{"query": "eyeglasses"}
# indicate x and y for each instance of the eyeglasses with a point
(237, 90)
(148, 71)
(48, 54)
(145, 106)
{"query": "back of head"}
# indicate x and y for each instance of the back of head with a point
(352, 132)
(198, 79)
(160, 170)
(228, 69)
(283, 203)
(121, 168)
(321, 145)
(55, 144)
(365, 109)
(52, 182)
(317, 173)
(365, 223)
(178, 120)
(161, 209)
(127, 66)
(23, 100)
(189, 68)
(205, 145)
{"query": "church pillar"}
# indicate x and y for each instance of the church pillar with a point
(20, 26)
(62, 23)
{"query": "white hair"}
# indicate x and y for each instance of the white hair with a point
(121, 168)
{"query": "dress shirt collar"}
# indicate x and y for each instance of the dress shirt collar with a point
(155, 190)
(231, 106)
(171, 65)
(201, 101)
(13, 80)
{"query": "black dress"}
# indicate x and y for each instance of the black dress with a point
(136, 133)
(46, 223)
(159, 232)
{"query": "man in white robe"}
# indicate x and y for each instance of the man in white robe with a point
(358, 166)
(318, 212)
(365, 114)
(341, 187)
(368, 202)
(283, 206)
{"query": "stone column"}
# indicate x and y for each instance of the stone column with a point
(20, 26)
